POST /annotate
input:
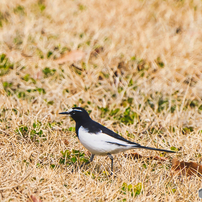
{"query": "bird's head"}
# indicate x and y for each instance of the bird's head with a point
(77, 113)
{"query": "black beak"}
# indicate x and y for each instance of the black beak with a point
(64, 113)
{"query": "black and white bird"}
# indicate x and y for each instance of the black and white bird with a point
(100, 140)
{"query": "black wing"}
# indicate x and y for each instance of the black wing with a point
(95, 127)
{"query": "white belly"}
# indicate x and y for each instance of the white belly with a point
(98, 143)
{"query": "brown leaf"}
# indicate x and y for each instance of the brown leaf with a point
(72, 56)
(186, 168)
(34, 199)
(66, 142)
(38, 75)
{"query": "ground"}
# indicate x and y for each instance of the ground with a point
(134, 65)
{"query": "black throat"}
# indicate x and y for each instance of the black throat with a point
(90, 125)
(85, 123)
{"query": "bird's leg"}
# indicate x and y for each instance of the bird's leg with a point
(92, 157)
(111, 157)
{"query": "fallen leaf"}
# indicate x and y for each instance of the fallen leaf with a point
(72, 56)
(34, 199)
(38, 75)
(66, 142)
(186, 168)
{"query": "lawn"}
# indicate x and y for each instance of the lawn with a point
(134, 65)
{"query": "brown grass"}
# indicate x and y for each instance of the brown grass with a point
(148, 51)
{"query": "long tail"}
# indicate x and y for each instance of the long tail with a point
(151, 148)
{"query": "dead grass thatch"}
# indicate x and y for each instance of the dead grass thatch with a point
(135, 65)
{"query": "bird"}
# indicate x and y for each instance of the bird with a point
(100, 140)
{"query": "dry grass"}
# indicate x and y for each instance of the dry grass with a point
(144, 56)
